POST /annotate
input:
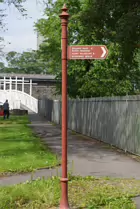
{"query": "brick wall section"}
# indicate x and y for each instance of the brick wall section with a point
(47, 91)
(38, 91)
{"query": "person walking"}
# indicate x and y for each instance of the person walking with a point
(6, 109)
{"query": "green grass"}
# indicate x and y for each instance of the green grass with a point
(84, 193)
(15, 120)
(22, 151)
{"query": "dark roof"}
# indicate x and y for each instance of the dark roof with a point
(29, 76)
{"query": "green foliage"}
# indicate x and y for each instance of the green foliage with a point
(113, 23)
(27, 62)
(116, 21)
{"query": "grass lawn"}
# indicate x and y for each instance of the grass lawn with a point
(84, 193)
(15, 120)
(20, 150)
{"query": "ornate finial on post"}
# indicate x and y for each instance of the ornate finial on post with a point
(64, 14)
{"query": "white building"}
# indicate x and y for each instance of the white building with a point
(40, 40)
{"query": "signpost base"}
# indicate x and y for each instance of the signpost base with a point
(64, 198)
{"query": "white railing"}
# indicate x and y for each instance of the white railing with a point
(15, 82)
(18, 98)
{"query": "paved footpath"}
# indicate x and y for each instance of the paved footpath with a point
(86, 156)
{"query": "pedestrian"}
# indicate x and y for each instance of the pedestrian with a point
(6, 109)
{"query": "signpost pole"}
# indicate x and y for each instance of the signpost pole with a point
(64, 180)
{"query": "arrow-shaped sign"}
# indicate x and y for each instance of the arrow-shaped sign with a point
(104, 51)
(87, 52)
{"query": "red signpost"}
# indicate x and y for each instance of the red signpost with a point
(71, 52)
(64, 180)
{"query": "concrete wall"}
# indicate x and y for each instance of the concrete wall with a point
(113, 120)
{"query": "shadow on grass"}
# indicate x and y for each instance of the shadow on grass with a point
(16, 140)
(21, 151)
(15, 120)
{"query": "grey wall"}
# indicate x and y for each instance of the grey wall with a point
(113, 120)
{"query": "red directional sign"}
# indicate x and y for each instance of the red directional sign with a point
(87, 52)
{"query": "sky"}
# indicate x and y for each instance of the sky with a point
(20, 35)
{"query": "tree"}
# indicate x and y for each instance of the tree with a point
(117, 21)
(27, 62)
(51, 30)
(113, 23)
